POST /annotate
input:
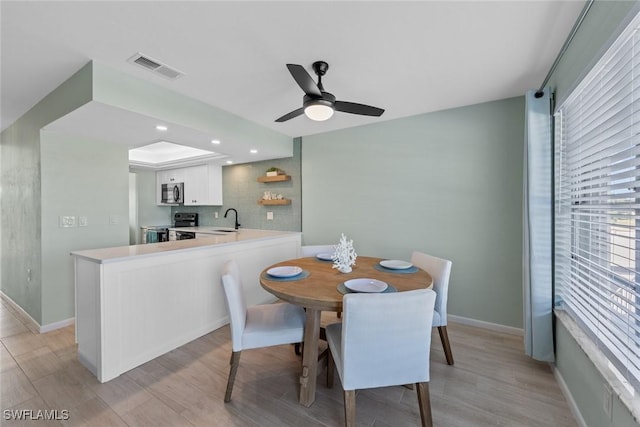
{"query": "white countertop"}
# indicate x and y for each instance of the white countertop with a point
(208, 230)
(122, 253)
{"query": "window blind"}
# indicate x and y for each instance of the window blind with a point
(597, 204)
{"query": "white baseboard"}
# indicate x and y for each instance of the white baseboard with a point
(567, 394)
(32, 323)
(486, 325)
(57, 325)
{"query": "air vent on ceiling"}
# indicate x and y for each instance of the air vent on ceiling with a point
(155, 66)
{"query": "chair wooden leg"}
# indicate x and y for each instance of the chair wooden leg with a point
(424, 402)
(350, 408)
(331, 368)
(444, 337)
(235, 362)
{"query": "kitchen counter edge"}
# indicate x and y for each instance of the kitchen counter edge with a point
(123, 253)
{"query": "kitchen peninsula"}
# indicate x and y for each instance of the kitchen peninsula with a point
(135, 303)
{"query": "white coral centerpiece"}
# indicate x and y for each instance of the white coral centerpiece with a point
(344, 256)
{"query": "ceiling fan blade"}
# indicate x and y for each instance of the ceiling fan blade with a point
(304, 80)
(291, 115)
(354, 108)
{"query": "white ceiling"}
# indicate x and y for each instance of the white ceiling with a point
(406, 57)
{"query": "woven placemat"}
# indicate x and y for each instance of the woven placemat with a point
(409, 270)
(300, 276)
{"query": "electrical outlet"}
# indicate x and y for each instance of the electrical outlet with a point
(28, 274)
(215, 214)
(82, 221)
(607, 400)
(270, 216)
(67, 221)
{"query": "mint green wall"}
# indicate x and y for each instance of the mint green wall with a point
(447, 183)
(240, 190)
(80, 177)
(20, 181)
(601, 26)
(586, 384)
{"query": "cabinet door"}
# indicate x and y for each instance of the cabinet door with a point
(195, 186)
(171, 176)
(215, 184)
(203, 185)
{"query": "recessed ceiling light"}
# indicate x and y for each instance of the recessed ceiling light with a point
(229, 162)
(162, 128)
(254, 151)
(215, 141)
(165, 151)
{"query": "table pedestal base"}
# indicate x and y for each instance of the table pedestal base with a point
(309, 375)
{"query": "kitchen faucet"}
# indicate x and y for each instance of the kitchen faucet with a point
(232, 209)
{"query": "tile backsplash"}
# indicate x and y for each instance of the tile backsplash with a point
(241, 191)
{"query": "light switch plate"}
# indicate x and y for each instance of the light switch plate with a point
(67, 221)
(114, 220)
(270, 215)
(82, 221)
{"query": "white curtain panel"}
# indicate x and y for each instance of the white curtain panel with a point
(538, 209)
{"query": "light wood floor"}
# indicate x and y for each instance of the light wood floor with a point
(491, 384)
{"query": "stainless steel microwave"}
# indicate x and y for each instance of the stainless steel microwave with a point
(172, 193)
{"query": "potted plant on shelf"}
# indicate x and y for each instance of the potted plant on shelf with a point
(273, 171)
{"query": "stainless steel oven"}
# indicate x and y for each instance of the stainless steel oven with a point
(183, 220)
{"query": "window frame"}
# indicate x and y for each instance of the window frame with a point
(584, 255)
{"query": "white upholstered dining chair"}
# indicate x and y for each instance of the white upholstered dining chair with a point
(370, 350)
(440, 270)
(313, 250)
(256, 326)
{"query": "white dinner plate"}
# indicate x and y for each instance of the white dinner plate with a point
(365, 285)
(284, 271)
(396, 264)
(325, 256)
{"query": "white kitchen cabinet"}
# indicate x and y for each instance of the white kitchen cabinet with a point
(202, 184)
(171, 176)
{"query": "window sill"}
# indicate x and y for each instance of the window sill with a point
(620, 388)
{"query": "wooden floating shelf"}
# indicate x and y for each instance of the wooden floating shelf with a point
(274, 178)
(274, 202)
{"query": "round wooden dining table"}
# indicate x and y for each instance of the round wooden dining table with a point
(321, 288)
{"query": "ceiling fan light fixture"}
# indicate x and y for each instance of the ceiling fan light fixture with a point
(318, 111)
(318, 104)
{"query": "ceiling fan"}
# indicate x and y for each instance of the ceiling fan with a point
(317, 104)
